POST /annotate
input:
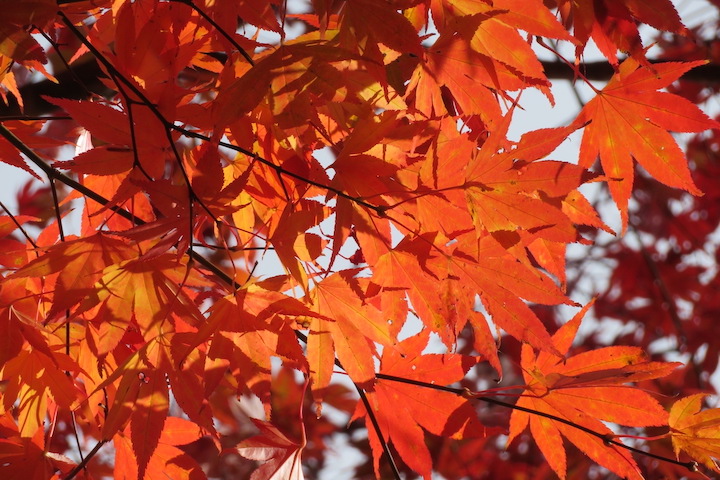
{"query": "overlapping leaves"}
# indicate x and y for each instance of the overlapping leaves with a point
(580, 391)
(211, 145)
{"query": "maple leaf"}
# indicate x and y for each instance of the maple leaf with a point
(613, 25)
(371, 22)
(630, 120)
(583, 390)
(451, 63)
(7, 81)
(228, 135)
(171, 42)
(291, 227)
(166, 460)
(347, 326)
(148, 418)
(17, 44)
(403, 410)
(300, 65)
(27, 457)
(122, 297)
(279, 456)
(696, 431)
(250, 327)
(132, 374)
(501, 282)
(508, 190)
(141, 142)
(461, 59)
(79, 264)
(533, 16)
(9, 152)
(442, 287)
(12, 252)
(34, 378)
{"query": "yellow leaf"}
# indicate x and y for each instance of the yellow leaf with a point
(696, 431)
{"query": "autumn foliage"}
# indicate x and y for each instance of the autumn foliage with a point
(258, 227)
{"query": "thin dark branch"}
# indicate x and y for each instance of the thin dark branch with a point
(470, 395)
(28, 118)
(77, 437)
(378, 432)
(602, 71)
(80, 466)
(669, 301)
(368, 408)
(379, 210)
(217, 27)
(56, 207)
(17, 224)
(131, 126)
(659, 282)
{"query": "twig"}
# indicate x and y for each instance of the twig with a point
(52, 173)
(692, 466)
(80, 466)
(379, 210)
(217, 27)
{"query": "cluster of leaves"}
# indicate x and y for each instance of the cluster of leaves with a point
(368, 156)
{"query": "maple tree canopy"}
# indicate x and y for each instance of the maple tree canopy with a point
(255, 227)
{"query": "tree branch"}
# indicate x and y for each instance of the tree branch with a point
(90, 73)
(201, 260)
(602, 71)
(692, 466)
(81, 466)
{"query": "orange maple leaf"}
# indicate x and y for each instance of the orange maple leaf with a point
(122, 297)
(167, 460)
(585, 390)
(347, 326)
(34, 379)
(247, 329)
(143, 142)
(507, 189)
(404, 410)
(614, 25)
(631, 120)
(28, 457)
(79, 264)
